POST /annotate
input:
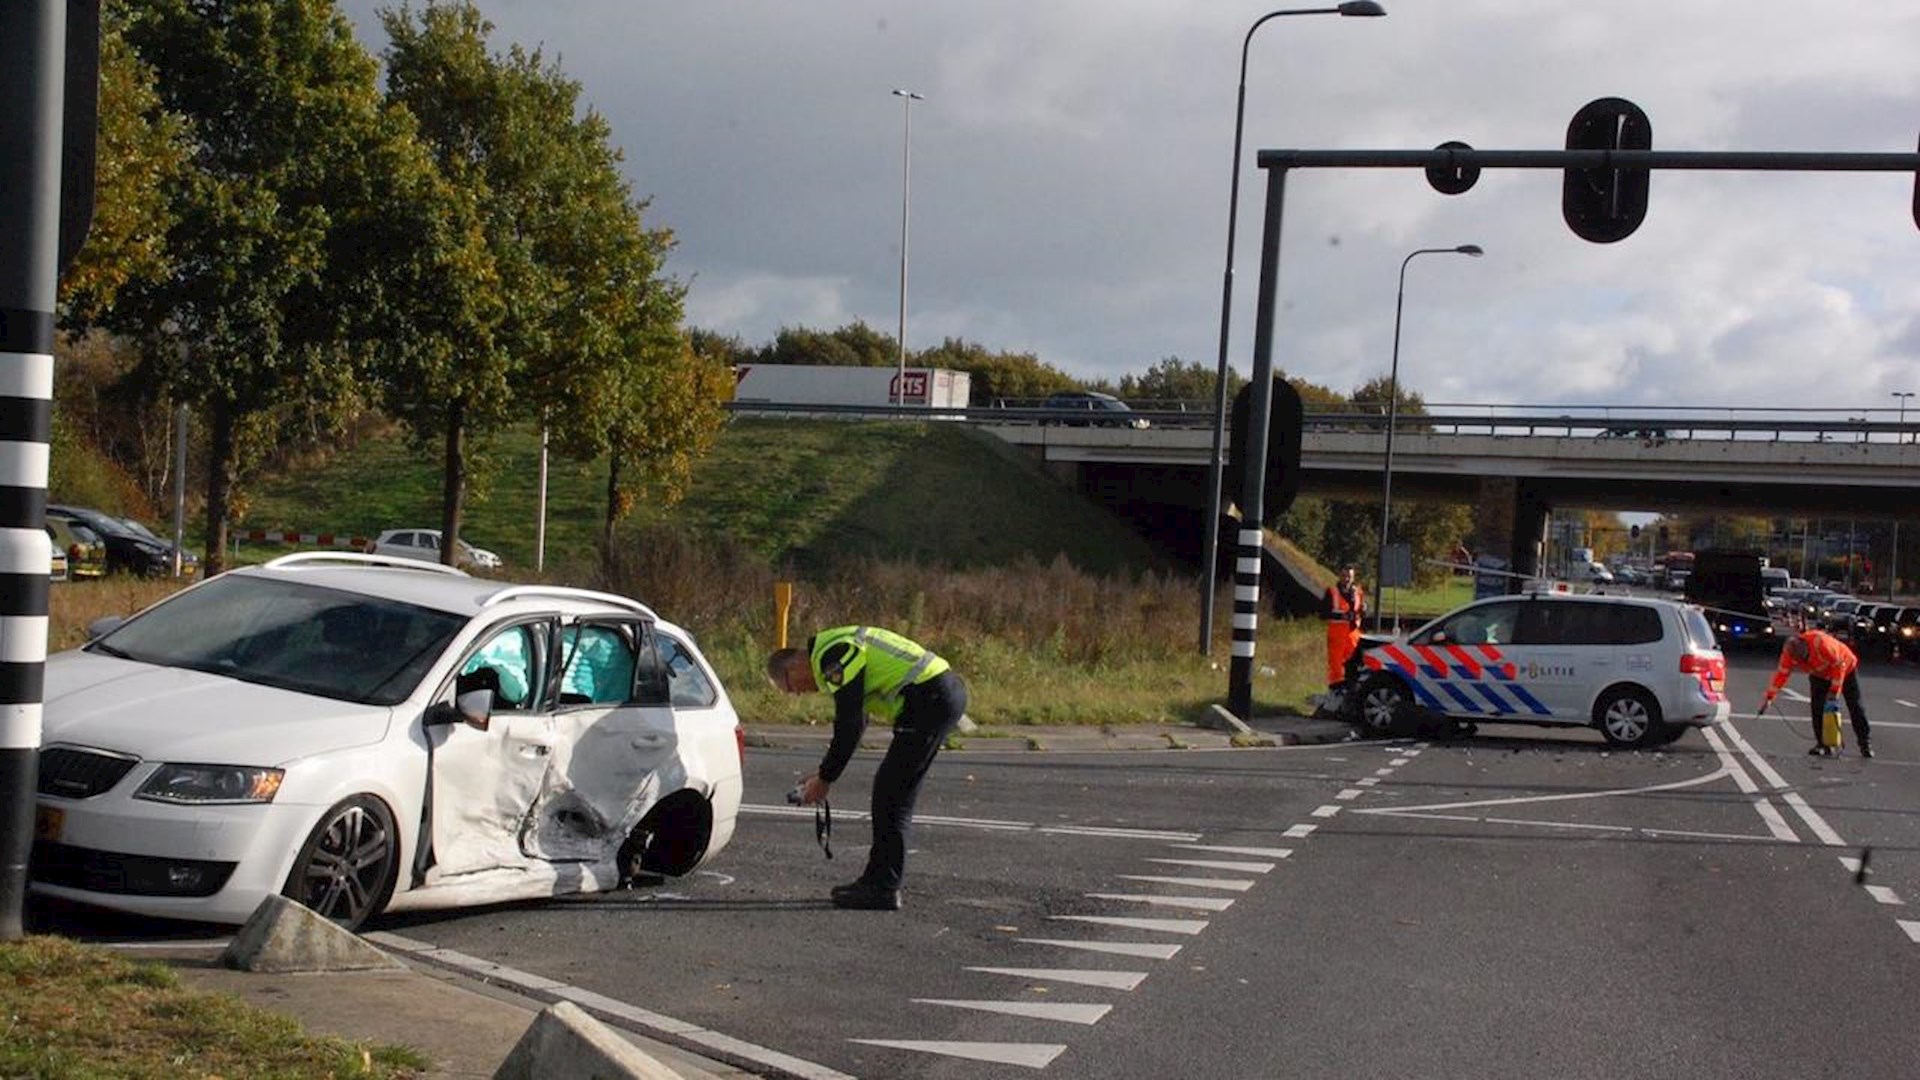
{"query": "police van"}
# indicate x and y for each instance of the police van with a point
(1641, 670)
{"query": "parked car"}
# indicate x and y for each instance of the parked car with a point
(86, 553)
(189, 562)
(424, 544)
(57, 560)
(1101, 410)
(1906, 634)
(363, 734)
(1640, 669)
(128, 552)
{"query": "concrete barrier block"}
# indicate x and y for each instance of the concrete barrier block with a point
(1219, 719)
(565, 1041)
(284, 935)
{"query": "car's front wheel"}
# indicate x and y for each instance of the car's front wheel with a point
(1629, 717)
(1381, 703)
(346, 869)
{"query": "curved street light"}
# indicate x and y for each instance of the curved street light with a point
(1393, 410)
(1210, 554)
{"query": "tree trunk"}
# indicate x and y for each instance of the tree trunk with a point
(219, 485)
(453, 491)
(613, 507)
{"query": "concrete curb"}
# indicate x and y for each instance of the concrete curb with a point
(564, 1040)
(283, 936)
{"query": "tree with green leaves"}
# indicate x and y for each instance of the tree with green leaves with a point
(273, 285)
(1174, 380)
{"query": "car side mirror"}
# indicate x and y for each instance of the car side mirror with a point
(473, 708)
(104, 625)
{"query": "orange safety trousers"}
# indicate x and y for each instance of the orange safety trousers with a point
(1342, 638)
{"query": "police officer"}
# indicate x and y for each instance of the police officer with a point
(1830, 666)
(1343, 606)
(869, 670)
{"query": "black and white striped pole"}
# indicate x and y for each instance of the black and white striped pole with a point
(32, 65)
(1246, 563)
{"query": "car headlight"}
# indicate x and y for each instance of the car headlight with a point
(202, 785)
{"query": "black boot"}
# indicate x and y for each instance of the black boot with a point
(863, 895)
(1866, 748)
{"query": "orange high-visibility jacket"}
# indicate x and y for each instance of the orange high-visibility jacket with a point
(1827, 657)
(1335, 608)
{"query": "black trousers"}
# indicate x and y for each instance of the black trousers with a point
(930, 711)
(1818, 689)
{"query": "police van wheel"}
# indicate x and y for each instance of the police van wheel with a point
(1381, 705)
(1628, 717)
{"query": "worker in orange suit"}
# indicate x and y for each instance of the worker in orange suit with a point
(1343, 606)
(1831, 667)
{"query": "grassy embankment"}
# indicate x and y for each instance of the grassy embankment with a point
(1054, 610)
(75, 1011)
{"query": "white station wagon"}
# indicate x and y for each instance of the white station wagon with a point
(1639, 669)
(365, 734)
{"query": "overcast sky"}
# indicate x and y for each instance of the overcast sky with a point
(1070, 172)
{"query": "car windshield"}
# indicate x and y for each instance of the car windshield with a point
(138, 529)
(105, 525)
(289, 635)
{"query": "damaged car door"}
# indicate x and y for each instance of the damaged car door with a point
(615, 747)
(486, 779)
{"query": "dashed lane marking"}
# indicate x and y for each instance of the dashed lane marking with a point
(1189, 927)
(1912, 927)
(1228, 884)
(1904, 701)
(1383, 772)
(1298, 832)
(1326, 811)
(1791, 694)
(1215, 864)
(1813, 819)
(1028, 1055)
(1348, 793)
(1109, 980)
(1194, 903)
(1261, 852)
(1035, 1010)
(653, 1022)
(1399, 761)
(1884, 894)
(1368, 781)
(1145, 949)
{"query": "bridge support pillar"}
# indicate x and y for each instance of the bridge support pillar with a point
(1529, 531)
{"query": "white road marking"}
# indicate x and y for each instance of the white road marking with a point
(1415, 752)
(1147, 949)
(1760, 764)
(1229, 884)
(1563, 797)
(1896, 724)
(1188, 927)
(1851, 863)
(632, 1014)
(1813, 819)
(1775, 823)
(1211, 864)
(1110, 980)
(1034, 1010)
(1328, 810)
(1262, 852)
(1682, 833)
(989, 824)
(1904, 701)
(1298, 832)
(1885, 895)
(1195, 903)
(1348, 793)
(1383, 772)
(1912, 928)
(220, 944)
(1368, 782)
(1791, 694)
(1399, 761)
(1028, 1055)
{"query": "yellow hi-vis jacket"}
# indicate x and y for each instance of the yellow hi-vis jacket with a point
(885, 662)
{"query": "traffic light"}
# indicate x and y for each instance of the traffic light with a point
(1284, 420)
(1606, 204)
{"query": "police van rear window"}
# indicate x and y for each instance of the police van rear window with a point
(1699, 633)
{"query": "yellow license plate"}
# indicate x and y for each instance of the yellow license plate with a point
(47, 821)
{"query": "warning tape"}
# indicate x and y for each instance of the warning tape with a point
(264, 536)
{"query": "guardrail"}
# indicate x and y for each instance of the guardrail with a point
(1654, 424)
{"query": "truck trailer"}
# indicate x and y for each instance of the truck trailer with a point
(827, 384)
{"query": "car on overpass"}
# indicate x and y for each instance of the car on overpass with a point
(1641, 670)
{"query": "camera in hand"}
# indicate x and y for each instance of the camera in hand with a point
(797, 796)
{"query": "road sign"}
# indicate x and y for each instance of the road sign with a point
(1396, 570)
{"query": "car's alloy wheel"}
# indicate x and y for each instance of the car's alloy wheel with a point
(1628, 717)
(1382, 700)
(345, 870)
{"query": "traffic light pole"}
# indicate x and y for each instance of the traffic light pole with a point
(32, 50)
(1452, 169)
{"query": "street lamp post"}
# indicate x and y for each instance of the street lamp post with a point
(907, 98)
(1393, 410)
(1211, 546)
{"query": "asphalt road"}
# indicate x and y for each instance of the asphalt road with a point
(1522, 903)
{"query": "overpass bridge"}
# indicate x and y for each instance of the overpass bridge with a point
(1515, 463)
